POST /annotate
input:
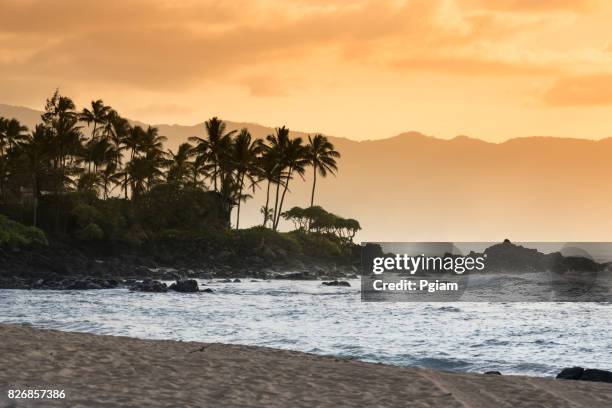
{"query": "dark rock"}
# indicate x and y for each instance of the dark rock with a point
(589, 374)
(237, 281)
(171, 275)
(185, 286)
(336, 283)
(572, 373)
(149, 285)
(298, 276)
(492, 373)
(225, 281)
(207, 290)
(593, 374)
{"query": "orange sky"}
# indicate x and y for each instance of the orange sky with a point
(491, 69)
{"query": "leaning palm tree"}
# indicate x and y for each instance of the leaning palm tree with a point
(294, 159)
(268, 165)
(277, 145)
(321, 155)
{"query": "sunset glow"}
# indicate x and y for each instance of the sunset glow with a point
(360, 69)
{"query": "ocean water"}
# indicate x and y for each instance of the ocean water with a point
(514, 338)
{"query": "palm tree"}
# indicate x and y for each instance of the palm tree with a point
(97, 115)
(109, 178)
(35, 149)
(153, 149)
(294, 159)
(321, 155)
(245, 152)
(12, 132)
(268, 166)
(215, 147)
(199, 167)
(179, 167)
(132, 141)
(61, 120)
(277, 147)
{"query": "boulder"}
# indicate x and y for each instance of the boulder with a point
(185, 286)
(593, 374)
(207, 290)
(492, 373)
(237, 281)
(588, 374)
(336, 283)
(572, 373)
(149, 285)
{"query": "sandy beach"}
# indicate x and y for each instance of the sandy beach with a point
(108, 371)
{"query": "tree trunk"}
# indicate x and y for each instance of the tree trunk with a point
(275, 206)
(239, 201)
(280, 207)
(314, 183)
(35, 199)
(215, 178)
(267, 202)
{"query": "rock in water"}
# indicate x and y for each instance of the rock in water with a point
(492, 373)
(336, 283)
(149, 285)
(185, 286)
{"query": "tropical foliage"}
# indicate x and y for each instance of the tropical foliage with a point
(316, 219)
(94, 152)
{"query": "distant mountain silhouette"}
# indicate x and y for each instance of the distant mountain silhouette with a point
(413, 187)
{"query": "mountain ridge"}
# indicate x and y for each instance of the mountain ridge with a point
(31, 116)
(414, 187)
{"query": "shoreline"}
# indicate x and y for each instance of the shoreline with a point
(61, 266)
(96, 370)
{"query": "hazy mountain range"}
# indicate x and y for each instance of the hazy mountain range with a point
(413, 187)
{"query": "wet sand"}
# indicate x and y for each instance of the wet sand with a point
(109, 371)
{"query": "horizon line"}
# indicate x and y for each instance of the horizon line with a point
(407, 133)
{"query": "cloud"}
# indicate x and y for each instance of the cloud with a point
(533, 6)
(584, 90)
(162, 45)
(474, 65)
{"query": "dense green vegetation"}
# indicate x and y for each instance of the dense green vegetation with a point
(90, 176)
(14, 234)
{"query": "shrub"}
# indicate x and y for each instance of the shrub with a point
(92, 232)
(15, 234)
